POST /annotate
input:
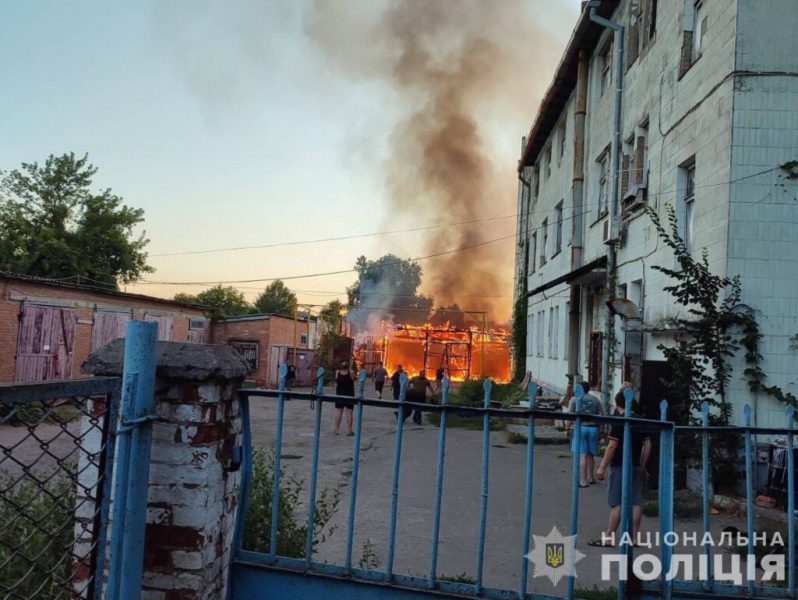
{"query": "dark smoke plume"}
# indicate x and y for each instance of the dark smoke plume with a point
(469, 73)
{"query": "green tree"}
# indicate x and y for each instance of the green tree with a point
(332, 315)
(388, 284)
(452, 315)
(227, 300)
(53, 225)
(276, 299)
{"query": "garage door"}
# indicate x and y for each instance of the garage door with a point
(45, 344)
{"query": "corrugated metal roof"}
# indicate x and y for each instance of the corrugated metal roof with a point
(585, 36)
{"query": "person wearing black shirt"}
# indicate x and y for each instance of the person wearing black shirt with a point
(344, 386)
(613, 459)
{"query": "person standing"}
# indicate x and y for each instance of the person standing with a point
(396, 384)
(380, 375)
(589, 436)
(344, 386)
(417, 392)
(613, 460)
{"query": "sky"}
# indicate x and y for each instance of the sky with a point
(230, 125)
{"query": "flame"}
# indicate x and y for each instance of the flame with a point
(465, 353)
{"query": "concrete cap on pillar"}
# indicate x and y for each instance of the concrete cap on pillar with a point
(176, 360)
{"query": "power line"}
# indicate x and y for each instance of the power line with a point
(333, 239)
(311, 275)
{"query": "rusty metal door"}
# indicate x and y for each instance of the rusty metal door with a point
(46, 343)
(107, 327)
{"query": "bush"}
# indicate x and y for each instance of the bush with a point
(513, 437)
(293, 529)
(595, 593)
(470, 393)
(36, 540)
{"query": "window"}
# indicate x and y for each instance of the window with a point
(567, 322)
(699, 24)
(197, 323)
(635, 165)
(303, 339)
(552, 335)
(562, 141)
(545, 228)
(689, 200)
(249, 352)
(603, 183)
(541, 323)
(555, 344)
(537, 182)
(558, 229)
(547, 163)
(605, 67)
(530, 334)
(533, 250)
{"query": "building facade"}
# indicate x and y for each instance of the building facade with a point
(267, 341)
(48, 328)
(708, 124)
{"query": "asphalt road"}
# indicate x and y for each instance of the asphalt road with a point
(461, 496)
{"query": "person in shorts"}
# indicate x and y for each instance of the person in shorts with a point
(613, 461)
(344, 386)
(380, 375)
(589, 435)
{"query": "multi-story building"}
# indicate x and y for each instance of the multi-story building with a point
(708, 124)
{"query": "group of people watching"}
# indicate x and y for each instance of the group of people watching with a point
(417, 387)
(611, 466)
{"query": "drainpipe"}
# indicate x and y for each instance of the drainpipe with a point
(577, 217)
(609, 318)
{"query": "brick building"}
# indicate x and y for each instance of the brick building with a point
(48, 328)
(708, 119)
(266, 341)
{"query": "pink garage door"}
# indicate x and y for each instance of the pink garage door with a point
(107, 327)
(165, 323)
(46, 343)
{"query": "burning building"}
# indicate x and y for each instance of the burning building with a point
(464, 352)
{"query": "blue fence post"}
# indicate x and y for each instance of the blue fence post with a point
(706, 484)
(627, 484)
(278, 452)
(749, 490)
(790, 503)
(483, 509)
(436, 524)
(133, 460)
(532, 394)
(397, 459)
(350, 530)
(666, 524)
(576, 444)
(314, 468)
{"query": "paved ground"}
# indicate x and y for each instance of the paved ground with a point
(461, 499)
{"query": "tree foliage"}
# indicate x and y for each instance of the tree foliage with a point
(227, 300)
(53, 225)
(332, 315)
(389, 284)
(519, 334)
(451, 314)
(276, 299)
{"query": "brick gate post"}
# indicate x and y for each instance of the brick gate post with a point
(194, 479)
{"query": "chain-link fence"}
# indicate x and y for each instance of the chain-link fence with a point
(55, 472)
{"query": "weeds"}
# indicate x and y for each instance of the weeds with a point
(292, 532)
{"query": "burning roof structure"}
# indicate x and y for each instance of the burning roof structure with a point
(463, 352)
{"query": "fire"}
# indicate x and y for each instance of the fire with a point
(465, 353)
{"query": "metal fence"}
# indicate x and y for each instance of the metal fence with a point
(303, 577)
(56, 455)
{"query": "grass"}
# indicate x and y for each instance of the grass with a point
(595, 593)
(461, 578)
(513, 437)
(36, 541)
(293, 528)
(454, 421)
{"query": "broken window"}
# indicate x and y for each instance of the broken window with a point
(562, 141)
(695, 29)
(558, 228)
(545, 227)
(603, 183)
(605, 67)
(533, 245)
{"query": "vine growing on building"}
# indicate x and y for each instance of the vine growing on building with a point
(718, 326)
(519, 334)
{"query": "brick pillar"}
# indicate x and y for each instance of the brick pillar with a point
(194, 481)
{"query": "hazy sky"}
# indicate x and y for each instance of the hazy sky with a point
(228, 126)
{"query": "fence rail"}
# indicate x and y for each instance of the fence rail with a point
(56, 457)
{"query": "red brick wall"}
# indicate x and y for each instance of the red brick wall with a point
(225, 332)
(39, 293)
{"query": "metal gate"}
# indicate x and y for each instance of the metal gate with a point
(272, 574)
(56, 461)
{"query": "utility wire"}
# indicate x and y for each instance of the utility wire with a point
(342, 271)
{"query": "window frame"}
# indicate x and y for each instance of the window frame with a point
(689, 205)
(558, 214)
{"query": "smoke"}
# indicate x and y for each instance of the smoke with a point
(467, 73)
